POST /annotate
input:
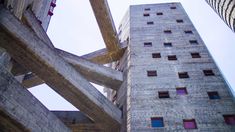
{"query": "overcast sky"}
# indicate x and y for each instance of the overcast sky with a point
(73, 28)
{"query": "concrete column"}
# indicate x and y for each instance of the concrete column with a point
(5, 59)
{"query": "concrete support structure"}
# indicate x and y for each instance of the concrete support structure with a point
(77, 121)
(226, 10)
(106, 24)
(166, 80)
(27, 49)
(21, 111)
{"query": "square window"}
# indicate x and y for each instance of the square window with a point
(179, 21)
(208, 73)
(229, 119)
(159, 13)
(167, 31)
(157, 122)
(163, 94)
(146, 14)
(195, 55)
(181, 91)
(213, 95)
(148, 44)
(173, 7)
(172, 57)
(168, 44)
(156, 55)
(147, 9)
(190, 124)
(150, 23)
(183, 75)
(188, 32)
(193, 42)
(151, 73)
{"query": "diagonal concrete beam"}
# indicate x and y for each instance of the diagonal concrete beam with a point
(95, 73)
(20, 111)
(106, 24)
(27, 49)
(31, 20)
(102, 56)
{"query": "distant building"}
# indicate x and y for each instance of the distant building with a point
(225, 9)
(172, 82)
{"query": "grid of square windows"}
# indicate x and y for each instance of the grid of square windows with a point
(187, 123)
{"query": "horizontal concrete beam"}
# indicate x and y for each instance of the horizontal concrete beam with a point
(106, 24)
(21, 111)
(103, 56)
(77, 121)
(25, 47)
(31, 80)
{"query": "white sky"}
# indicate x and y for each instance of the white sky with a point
(73, 28)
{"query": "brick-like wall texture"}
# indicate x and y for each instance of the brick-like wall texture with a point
(143, 102)
(17, 104)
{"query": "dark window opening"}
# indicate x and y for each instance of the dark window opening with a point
(213, 95)
(147, 9)
(168, 44)
(181, 91)
(229, 119)
(188, 32)
(208, 73)
(190, 124)
(195, 55)
(193, 42)
(150, 23)
(145, 14)
(172, 57)
(148, 44)
(179, 21)
(157, 122)
(151, 73)
(173, 7)
(163, 94)
(167, 31)
(156, 55)
(183, 75)
(159, 13)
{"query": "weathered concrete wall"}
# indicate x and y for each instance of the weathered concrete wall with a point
(39, 7)
(21, 111)
(142, 91)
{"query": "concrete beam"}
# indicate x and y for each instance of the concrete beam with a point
(25, 47)
(106, 24)
(31, 20)
(95, 73)
(21, 111)
(103, 56)
(77, 121)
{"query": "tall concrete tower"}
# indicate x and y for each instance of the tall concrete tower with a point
(225, 9)
(171, 81)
